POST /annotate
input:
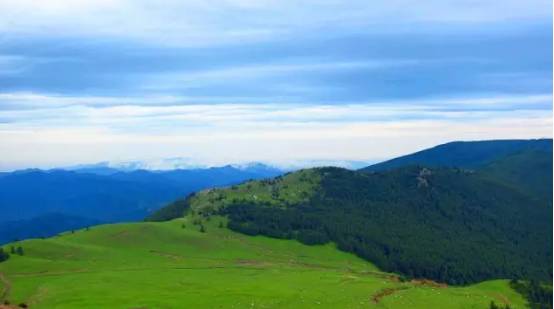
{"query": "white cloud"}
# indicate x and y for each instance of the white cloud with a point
(165, 112)
(55, 129)
(48, 147)
(77, 131)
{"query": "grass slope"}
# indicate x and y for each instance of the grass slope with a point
(163, 265)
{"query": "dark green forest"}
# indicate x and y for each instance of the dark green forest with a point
(470, 155)
(450, 225)
(538, 295)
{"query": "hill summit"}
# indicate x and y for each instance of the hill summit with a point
(422, 221)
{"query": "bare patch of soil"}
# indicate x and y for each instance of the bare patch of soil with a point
(430, 283)
(377, 297)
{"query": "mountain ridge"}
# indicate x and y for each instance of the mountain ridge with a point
(464, 154)
(452, 210)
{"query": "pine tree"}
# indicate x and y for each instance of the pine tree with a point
(19, 250)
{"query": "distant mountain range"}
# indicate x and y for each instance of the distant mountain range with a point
(176, 163)
(459, 213)
(44, 225)
(100, 194)
(179, 163)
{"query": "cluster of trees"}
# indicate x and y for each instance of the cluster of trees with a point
(458, 228)
(538, 295)
(4, 255)
(17, 250)
(198, 222)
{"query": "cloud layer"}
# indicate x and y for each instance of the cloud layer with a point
(92, 129)
(238, 80)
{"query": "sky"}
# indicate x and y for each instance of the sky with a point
(227, 81)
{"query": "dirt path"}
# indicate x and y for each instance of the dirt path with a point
(501, 298)
(376, 298)
(7, 287)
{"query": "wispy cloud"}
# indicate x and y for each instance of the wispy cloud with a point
(84, 80)
(361, 131)
(263, 71)
(271, 142)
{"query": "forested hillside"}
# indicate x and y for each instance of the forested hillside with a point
(529, 172)
(471, 155)
(452, 225)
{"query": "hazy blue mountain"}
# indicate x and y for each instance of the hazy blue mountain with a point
(42, 226)
(169, 164)
(108, 197)
(24, 195)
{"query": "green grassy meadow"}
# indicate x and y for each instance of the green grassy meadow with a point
(163, 265)
(291, 188)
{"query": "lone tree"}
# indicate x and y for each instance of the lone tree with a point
(202, 229)
(3, 255)
(19, 250)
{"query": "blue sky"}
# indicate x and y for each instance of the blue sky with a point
(277, 81)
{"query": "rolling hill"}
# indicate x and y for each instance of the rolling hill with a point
(410, 236)
(174, 265)
(421, 222)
